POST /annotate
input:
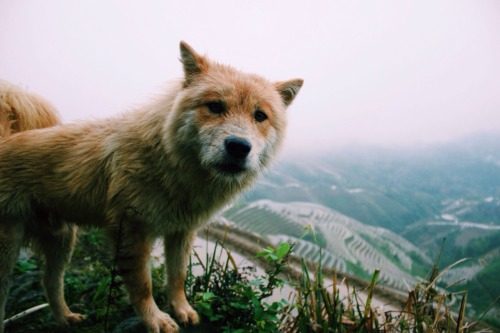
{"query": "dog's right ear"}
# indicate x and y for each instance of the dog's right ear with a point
(193, 63)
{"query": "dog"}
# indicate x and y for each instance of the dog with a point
(21, 110)
(160, 171)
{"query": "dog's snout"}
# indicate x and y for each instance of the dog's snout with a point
(237, 147)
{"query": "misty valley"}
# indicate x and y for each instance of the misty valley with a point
(393, 209)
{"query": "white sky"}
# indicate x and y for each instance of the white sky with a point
(376, 72)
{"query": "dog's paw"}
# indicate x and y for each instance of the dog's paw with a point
(185, 314)
(162, 323)
(70, 318)
(74, 318)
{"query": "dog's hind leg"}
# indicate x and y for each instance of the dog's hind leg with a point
(178, 248)
(11, 239)
(57, 248)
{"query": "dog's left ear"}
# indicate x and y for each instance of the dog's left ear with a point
(193, 63)
(289, 89)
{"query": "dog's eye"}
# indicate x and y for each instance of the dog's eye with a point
(259, 116)
(216, 107)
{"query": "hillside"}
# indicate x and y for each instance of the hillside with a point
(389, 208)
(347, 245)
(394, 188)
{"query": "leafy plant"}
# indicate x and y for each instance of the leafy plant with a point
(233, 299)
(25, 265)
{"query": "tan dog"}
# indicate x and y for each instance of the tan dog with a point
(160, 171)
(21, 110)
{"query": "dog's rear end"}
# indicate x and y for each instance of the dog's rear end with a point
(20, 111)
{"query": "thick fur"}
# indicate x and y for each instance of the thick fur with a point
(158, 172)
(21, 110)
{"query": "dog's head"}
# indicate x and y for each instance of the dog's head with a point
(231, 123)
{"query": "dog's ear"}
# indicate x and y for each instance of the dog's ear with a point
(193, 63)
(289, 89)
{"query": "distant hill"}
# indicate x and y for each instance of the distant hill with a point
(365, 203)
(396, 188)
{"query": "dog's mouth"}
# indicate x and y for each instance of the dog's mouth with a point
(230, 168)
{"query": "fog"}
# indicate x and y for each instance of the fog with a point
(377, 72)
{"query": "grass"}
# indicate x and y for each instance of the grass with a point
(230, 298)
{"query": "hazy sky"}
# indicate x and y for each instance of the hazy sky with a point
(376, 72)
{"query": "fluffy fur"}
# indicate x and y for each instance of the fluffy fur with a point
(21, 110)
(158, 172)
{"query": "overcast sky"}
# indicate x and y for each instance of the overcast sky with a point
(376, 72)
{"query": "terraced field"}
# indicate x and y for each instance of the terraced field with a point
(347, 245)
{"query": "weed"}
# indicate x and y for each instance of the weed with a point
(233, 299)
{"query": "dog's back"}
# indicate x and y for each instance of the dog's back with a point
(21, 110)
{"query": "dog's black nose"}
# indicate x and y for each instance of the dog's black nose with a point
(237, 147)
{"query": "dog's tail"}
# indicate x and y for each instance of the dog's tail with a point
(21, 110)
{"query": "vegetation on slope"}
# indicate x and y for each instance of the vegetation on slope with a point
(236, 299)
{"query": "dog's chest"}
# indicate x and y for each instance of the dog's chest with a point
(181, 210)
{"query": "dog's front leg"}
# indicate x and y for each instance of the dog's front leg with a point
(132, 261)
(177, 251)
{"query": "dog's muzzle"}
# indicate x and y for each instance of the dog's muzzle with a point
(236, 150)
